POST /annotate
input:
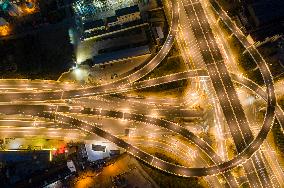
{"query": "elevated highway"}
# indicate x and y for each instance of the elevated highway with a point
(15, 101)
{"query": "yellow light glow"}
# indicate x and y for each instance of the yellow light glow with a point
(50, 156)
(5, 30)
(30, 10)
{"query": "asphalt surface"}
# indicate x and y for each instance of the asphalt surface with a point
(47, 111)
(221, 80)
(225, 91)
(107, 88)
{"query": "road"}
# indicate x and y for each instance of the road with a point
(225, 91)
(171, 77)
(41, 111)
(113, 86)
(18, 95)
(47, 111)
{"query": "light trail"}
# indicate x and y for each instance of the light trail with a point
(128, 83)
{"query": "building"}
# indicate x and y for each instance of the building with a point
(121, 20)
(71, 166)
(47, 177)
(21, 156)
(19, 165)
(118, 35)
(128, 14)
(112, 21)
(98, 150)
(124, 15)
(121, 54)
(95, 25)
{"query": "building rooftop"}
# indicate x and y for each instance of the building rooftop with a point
(18, 156)
(93, 24)
(127, 10)
(124, 53)
(111, 19)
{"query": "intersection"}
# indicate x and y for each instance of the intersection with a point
(48, 101)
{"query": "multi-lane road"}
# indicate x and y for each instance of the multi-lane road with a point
(225, 91)
(19, 93)
(110, 87)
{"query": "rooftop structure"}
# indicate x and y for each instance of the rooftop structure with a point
(127, 10)
(19, 156)
(94, 25)
(121, 54)
(112, 21)
(128, 14)
(122, 16)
